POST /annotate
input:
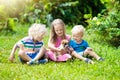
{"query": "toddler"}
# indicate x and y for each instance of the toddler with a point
(81, 46)
(31, 48)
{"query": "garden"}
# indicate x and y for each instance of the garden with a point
(101, 19)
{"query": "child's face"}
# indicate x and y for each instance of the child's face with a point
(77, 36)
(59, 30)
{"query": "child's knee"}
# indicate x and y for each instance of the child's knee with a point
(43, 49)
(87, 51)
(21, 53)
(51, 55)
(72, 53)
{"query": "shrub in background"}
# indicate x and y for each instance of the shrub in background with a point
(108, 25)
(71, 11)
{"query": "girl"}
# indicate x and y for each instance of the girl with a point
(57, 34)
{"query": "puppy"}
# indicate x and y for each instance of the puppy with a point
(65, 47)
(64, 44)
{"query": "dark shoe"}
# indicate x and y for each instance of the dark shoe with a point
(42, 61)
(89, 61)
(101, 59)
(31, 62)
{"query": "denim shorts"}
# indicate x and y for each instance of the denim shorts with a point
(31, 55)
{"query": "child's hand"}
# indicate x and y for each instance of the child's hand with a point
(11, 58)
(71, 49)
(59, 50)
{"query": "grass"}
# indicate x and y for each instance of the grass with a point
(70, 70)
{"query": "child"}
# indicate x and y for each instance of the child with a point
(57, 34)
(31, 47)
(81, 46)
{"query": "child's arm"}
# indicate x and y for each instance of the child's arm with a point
(52, 47)
(41, 53)
(11, 57)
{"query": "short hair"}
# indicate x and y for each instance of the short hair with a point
(37, 30)
(78, 28)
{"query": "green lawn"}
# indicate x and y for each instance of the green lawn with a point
(70, 70)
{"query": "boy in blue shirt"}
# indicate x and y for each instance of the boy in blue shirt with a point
(81, 46)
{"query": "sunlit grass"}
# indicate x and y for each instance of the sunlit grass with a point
(70, 70)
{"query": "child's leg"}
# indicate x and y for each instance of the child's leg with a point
(40, 54)
(91, 53)
(82, 58)
(23, 56)
(51, 55)
(63, 57)
(38, 57)
(78, 56)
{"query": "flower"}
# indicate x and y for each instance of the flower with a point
(98, 23)
(94, 18)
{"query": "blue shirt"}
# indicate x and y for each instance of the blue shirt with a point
(78, 47)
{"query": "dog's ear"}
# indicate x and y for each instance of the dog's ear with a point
(64, 41)
(67, 41)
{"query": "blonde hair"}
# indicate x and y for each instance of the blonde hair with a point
(53, 35)
(78, 29)
(37, 30)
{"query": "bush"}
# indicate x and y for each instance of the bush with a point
(76, 12)
(108, 25)
(70, 11)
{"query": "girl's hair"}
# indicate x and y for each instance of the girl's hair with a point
(53, 35)
(78, 29)
(37, 30)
